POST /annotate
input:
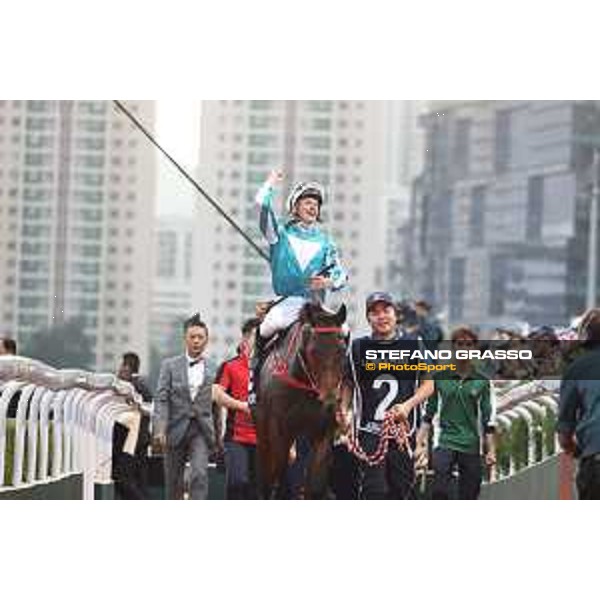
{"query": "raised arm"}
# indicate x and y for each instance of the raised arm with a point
(268, 219)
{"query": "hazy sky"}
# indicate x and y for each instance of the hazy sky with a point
(178, 132)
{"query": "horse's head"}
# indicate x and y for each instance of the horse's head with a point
(324, 341)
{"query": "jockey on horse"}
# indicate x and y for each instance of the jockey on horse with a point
(304, 261)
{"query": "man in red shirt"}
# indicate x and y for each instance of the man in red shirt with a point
(230, 391)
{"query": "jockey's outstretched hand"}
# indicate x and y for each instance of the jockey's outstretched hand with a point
(318, 282)
(261, 309)
(275, 177)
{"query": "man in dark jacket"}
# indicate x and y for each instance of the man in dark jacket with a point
(428, 326)
(578, 422)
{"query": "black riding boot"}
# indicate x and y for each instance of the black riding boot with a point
(256, 362)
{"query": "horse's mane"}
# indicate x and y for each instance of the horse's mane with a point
(316, 314)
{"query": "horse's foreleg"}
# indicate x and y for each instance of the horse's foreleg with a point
(263, 451)
(318, 469)
(273, 452)
(265, 482)
(280, 463)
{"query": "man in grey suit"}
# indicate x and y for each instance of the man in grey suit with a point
(183, 425)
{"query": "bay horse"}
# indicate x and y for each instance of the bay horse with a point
(299, 390)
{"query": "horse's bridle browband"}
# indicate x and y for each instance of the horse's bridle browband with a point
(282, 370)
(327, 329)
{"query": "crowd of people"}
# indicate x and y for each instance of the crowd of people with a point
(203, 411)
(461, 406)
(194, 432)
(305, 268)
(217, 424)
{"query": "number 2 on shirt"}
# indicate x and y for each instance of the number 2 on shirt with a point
(383, 406)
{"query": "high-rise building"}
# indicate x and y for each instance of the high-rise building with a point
(77, 200)
(403, 156)
(404, 144)
(338, 143)
(172, 299)
(502, 209)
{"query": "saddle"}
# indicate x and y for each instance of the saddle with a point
(264, 346)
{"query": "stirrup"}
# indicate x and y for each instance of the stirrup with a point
(252, 375)
(262, 347)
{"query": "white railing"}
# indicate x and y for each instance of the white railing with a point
(530, 403)
(63, 423)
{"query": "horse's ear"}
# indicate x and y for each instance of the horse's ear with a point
(307, 314)
(340, 316)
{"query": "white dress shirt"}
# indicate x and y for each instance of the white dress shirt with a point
(195, 375)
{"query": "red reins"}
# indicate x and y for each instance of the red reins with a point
(281, 369)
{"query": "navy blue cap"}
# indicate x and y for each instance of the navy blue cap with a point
(376, 297)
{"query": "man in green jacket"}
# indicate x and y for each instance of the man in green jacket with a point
(462, 410)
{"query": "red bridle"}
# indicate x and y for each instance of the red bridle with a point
(281, 369)
(327, 329)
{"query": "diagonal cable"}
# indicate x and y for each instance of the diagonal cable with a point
(197, 186)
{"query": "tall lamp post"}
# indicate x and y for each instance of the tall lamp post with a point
(593, 142)
(593, 233)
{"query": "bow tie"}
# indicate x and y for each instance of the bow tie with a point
(193, 363)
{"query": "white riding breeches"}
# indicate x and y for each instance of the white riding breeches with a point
(282, 315)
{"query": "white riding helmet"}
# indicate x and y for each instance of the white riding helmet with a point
(310, 189)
